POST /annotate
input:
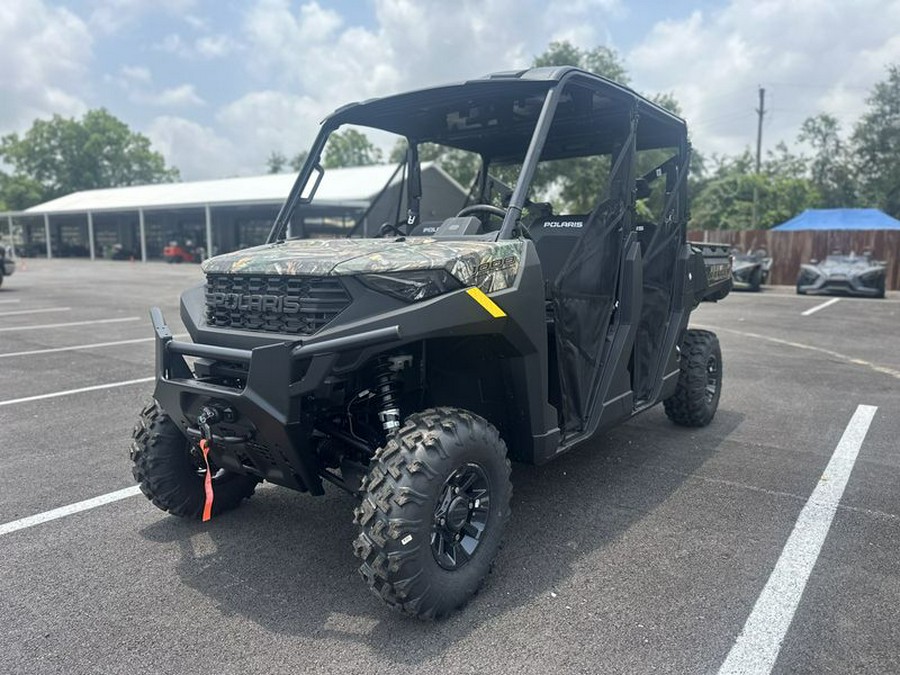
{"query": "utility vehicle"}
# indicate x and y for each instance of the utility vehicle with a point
(409, 363)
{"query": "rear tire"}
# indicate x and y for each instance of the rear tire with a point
(696, 397)
(434, 507)
(168, 474)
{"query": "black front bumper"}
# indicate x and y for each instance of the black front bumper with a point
(266, 433)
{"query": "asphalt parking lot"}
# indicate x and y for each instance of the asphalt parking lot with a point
(644, 551)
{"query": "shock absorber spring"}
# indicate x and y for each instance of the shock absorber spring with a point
(387, 388)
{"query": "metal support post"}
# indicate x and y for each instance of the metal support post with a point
(90, 217)
(47, 234)
(143, 235)
(209, 232)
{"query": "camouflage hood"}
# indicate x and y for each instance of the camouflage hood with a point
(490, 265)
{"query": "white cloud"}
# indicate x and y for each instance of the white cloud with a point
(44, 56)
(214, 46)
(413, 44)
(136, 74)
(109, 16)
(263, 121)
(197, 150)
(810, 57)
(205, 46)
(182, 95)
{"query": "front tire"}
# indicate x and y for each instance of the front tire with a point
(696, 397)
(169, 474)
(434, 507)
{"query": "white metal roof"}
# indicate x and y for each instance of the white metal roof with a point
(353, 186)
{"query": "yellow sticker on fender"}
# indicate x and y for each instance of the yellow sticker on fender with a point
(489, 305)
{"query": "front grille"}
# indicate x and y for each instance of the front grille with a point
(277, 304)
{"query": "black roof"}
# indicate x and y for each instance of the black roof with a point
(495, 115)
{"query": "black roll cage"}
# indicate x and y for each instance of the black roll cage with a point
(557, 78)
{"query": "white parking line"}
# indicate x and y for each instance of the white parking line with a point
(67, 392)
(36, 311)
(53, 350)
(73, 323)
(757, 647)
(884, 370)
(63, 511)
(815, 309)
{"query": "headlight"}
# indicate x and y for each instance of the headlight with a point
(412, 286)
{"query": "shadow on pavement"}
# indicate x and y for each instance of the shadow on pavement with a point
(284, 561)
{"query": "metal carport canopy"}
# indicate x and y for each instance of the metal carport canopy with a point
(353, 186)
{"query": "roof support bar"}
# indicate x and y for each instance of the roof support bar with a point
(10, 223)
(143, 232)
(209, 232)
(90, 223)
(47, 234)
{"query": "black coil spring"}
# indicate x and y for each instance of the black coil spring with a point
(387, 385)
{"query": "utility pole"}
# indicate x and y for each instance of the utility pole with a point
(760, 111)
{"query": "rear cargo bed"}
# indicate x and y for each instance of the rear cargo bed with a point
(712, 271)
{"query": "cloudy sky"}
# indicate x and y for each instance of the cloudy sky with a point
(218, 84)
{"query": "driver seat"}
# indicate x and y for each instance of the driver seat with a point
(554, 240)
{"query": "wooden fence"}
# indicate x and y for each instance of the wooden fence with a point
(790, 249)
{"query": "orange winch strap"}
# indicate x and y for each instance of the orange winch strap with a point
(207, 481)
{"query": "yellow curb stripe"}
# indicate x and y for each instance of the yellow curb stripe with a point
(489, 305)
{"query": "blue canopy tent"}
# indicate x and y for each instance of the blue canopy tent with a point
(840, 219)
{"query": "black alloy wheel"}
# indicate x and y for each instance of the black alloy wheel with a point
(460, 516)
(434, 506)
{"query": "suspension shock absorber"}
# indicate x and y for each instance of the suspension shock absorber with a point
(387, 388)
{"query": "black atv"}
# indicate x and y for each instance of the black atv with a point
(408, 365)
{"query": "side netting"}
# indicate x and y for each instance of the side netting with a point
(583, 293)
(659, 253)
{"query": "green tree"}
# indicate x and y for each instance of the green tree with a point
(276, 162)
(63, 155)
(600, 60)
(726, 199)
(299, 159)
(831, 167)
(461, 165)
(876, 146)
(577, 181)
(349, 148)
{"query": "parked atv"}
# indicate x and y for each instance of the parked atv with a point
(410, 367)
